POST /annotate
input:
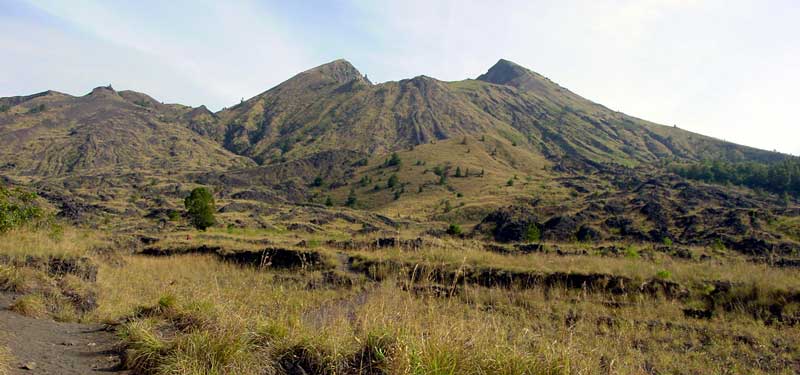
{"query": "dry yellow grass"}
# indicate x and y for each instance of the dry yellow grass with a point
(456, 253)
(57, 240)
(5, 360)
(478, 331)
(193, 314)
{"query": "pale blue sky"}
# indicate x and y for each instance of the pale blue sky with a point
(725, 68)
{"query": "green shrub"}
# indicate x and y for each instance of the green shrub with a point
(167, 301)
(200, 205)
(667, 242)
(533, 233)
(631, 252)
(718, 245)
(351, 198)
(173, 215)
(392, 182)
(393, 161)
(17, 208)
(663, 274)
(454, 230)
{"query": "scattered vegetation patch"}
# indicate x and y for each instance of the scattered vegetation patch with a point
(17, 208)
(777, 177)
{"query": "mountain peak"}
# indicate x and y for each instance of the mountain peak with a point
(503, 72)
(340, 70)
(103, 91)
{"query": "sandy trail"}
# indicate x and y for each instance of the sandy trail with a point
(56, 348)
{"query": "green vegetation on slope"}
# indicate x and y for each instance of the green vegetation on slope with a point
(17, 208)
(780, 177)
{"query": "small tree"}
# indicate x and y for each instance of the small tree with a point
(458, 171)
(318, 181)
(393, 180)
(533, 233)
(200, 205)
(394, 160)
(454, 230)
(351, 199)
(329, 201)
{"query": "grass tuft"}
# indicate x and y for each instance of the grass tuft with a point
(31, 305)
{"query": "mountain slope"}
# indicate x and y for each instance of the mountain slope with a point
(52, 134)
(333, 107)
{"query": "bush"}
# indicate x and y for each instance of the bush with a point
(718, 245)
(394, 160)
(393, 180)
(663, 274)
(200, 205)
(454, 230)
(173, 215)
(351, 199)
(631, 252)
(533, 233)
(17, 208)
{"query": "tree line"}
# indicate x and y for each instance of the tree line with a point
(780, 177)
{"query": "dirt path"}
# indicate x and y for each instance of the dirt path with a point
(50, 347)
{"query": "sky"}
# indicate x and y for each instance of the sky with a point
(724, 68)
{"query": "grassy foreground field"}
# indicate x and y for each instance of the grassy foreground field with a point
(390, 310)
